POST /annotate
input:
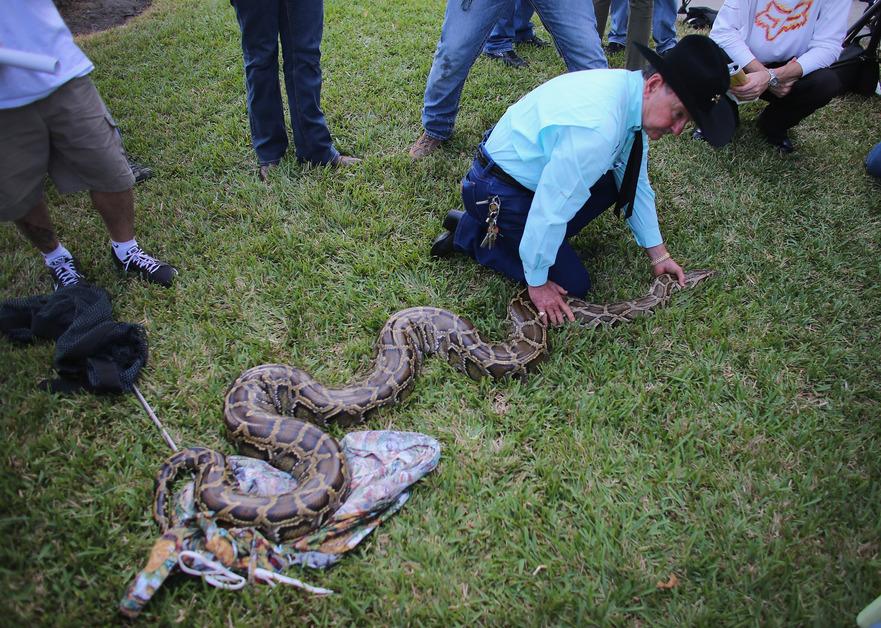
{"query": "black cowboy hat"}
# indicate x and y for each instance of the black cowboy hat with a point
(696, 69)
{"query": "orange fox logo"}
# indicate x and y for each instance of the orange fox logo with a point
(777, 18)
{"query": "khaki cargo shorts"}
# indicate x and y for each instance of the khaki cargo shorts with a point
(68, 135)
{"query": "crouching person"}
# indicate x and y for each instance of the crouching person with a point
(786, 50)
(569, 150)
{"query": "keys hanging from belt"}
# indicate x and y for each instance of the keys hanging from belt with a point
(492, 229)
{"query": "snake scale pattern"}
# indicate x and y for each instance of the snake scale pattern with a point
(274, 411)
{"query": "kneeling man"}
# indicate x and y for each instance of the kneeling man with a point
(570, 149)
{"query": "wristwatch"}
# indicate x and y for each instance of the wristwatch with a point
(774, 82)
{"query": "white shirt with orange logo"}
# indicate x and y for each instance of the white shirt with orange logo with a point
(778, 30)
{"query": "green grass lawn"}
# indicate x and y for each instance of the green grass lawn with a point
(731, 440)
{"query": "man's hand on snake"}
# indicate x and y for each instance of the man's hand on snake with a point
(548, 298)
(269, 408)
(670, 266)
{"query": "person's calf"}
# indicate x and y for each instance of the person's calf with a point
(117, 210)
(36, 226)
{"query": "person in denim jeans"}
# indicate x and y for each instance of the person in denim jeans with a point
(570, 149)
(299, 24)
(873, 161)
(467, 26)
(663, 25)
(508, 31)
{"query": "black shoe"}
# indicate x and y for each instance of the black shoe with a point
(536, 41)
(782, 143)
(614, 47)
(443, 244)
(697, 135)
(451, 220)
(145, 266)
(778, 139)
(65, 273)
(140, 171)
(509, 58)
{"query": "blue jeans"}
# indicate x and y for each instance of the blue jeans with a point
(480, 184)
(663, 23)
(873, 161)
(299, 24)
(465, 30)
(511, 29)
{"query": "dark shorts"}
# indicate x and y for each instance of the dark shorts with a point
(68, 135)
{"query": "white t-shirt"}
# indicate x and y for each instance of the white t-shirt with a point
(778, 30)
(35, 26)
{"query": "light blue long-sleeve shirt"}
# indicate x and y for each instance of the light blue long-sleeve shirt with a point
(558, 140)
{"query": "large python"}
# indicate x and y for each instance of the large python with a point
(272, 411)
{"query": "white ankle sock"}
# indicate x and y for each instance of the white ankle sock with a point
(121, 249)
(60, 251)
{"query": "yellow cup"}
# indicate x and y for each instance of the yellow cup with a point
(738, 76)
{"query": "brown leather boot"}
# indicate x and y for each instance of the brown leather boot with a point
(424, 146)
(263, 171)
(344, 161)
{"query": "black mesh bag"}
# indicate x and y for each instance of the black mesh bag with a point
(92, 351)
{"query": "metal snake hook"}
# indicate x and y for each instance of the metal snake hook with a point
(155, 419)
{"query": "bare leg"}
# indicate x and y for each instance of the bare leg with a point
(37, 227)
(117, 209)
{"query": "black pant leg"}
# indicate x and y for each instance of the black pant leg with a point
(807, 95)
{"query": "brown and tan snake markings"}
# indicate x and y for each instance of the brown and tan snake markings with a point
(272, 411)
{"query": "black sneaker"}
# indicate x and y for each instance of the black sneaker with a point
(139, 171)
(613, 47)
(509, 58)
(145, 266)
(65, 272)
(779, 140)
(536, 41)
